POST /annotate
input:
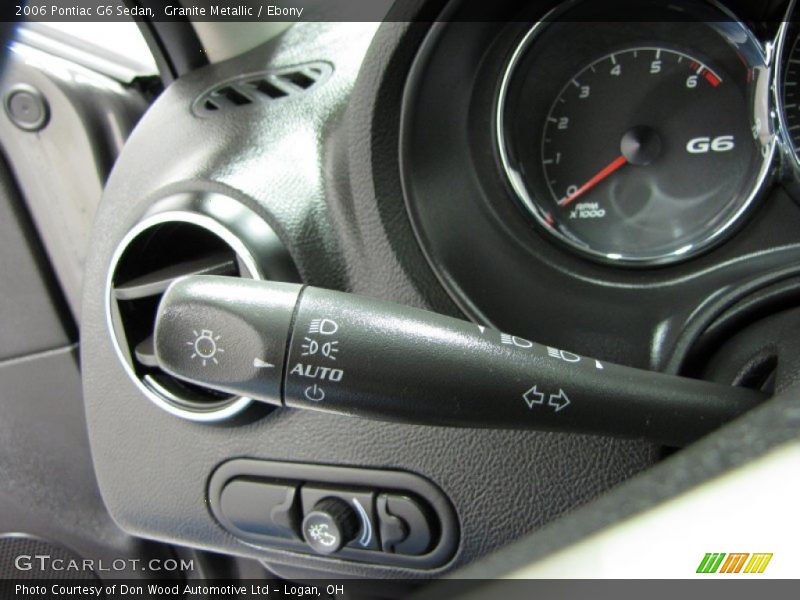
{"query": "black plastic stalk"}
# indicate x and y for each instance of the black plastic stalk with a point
(316, 349)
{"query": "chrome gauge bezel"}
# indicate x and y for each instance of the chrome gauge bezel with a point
(739, 36)
(788, 150)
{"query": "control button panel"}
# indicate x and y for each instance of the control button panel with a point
(404, 525)
(260, 508)
(365, 515)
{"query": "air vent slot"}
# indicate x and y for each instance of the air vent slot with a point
(151, 260)
(262, 87)
(234, 96)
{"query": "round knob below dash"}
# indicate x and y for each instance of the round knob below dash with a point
(330, 525)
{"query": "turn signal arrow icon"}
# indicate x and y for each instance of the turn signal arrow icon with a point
(559, 401)
(533, 396)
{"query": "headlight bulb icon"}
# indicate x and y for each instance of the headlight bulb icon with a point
(205, 346)
(311, 347)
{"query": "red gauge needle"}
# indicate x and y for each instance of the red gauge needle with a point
(608, 170)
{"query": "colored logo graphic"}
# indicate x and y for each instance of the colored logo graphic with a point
(719, 562)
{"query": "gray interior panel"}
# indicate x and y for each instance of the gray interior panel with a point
(29, 306)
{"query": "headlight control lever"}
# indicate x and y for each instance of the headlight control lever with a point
(310, 348)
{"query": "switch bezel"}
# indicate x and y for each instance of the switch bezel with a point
(339, 477)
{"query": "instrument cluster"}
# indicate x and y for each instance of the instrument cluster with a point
(648, 141)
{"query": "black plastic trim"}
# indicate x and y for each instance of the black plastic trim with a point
(174, 44)
(392, 481)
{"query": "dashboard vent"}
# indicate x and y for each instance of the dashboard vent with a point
(152, 259)
(188, 233)
(261, 87)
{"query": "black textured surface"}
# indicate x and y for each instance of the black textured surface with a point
(763, 353)
(382, 254)
(293, 162)
(755, 434)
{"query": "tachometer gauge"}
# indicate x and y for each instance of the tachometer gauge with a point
(788, 95)
(642, 147)
(791, 92)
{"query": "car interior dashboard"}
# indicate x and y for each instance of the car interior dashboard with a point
(600, 200)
